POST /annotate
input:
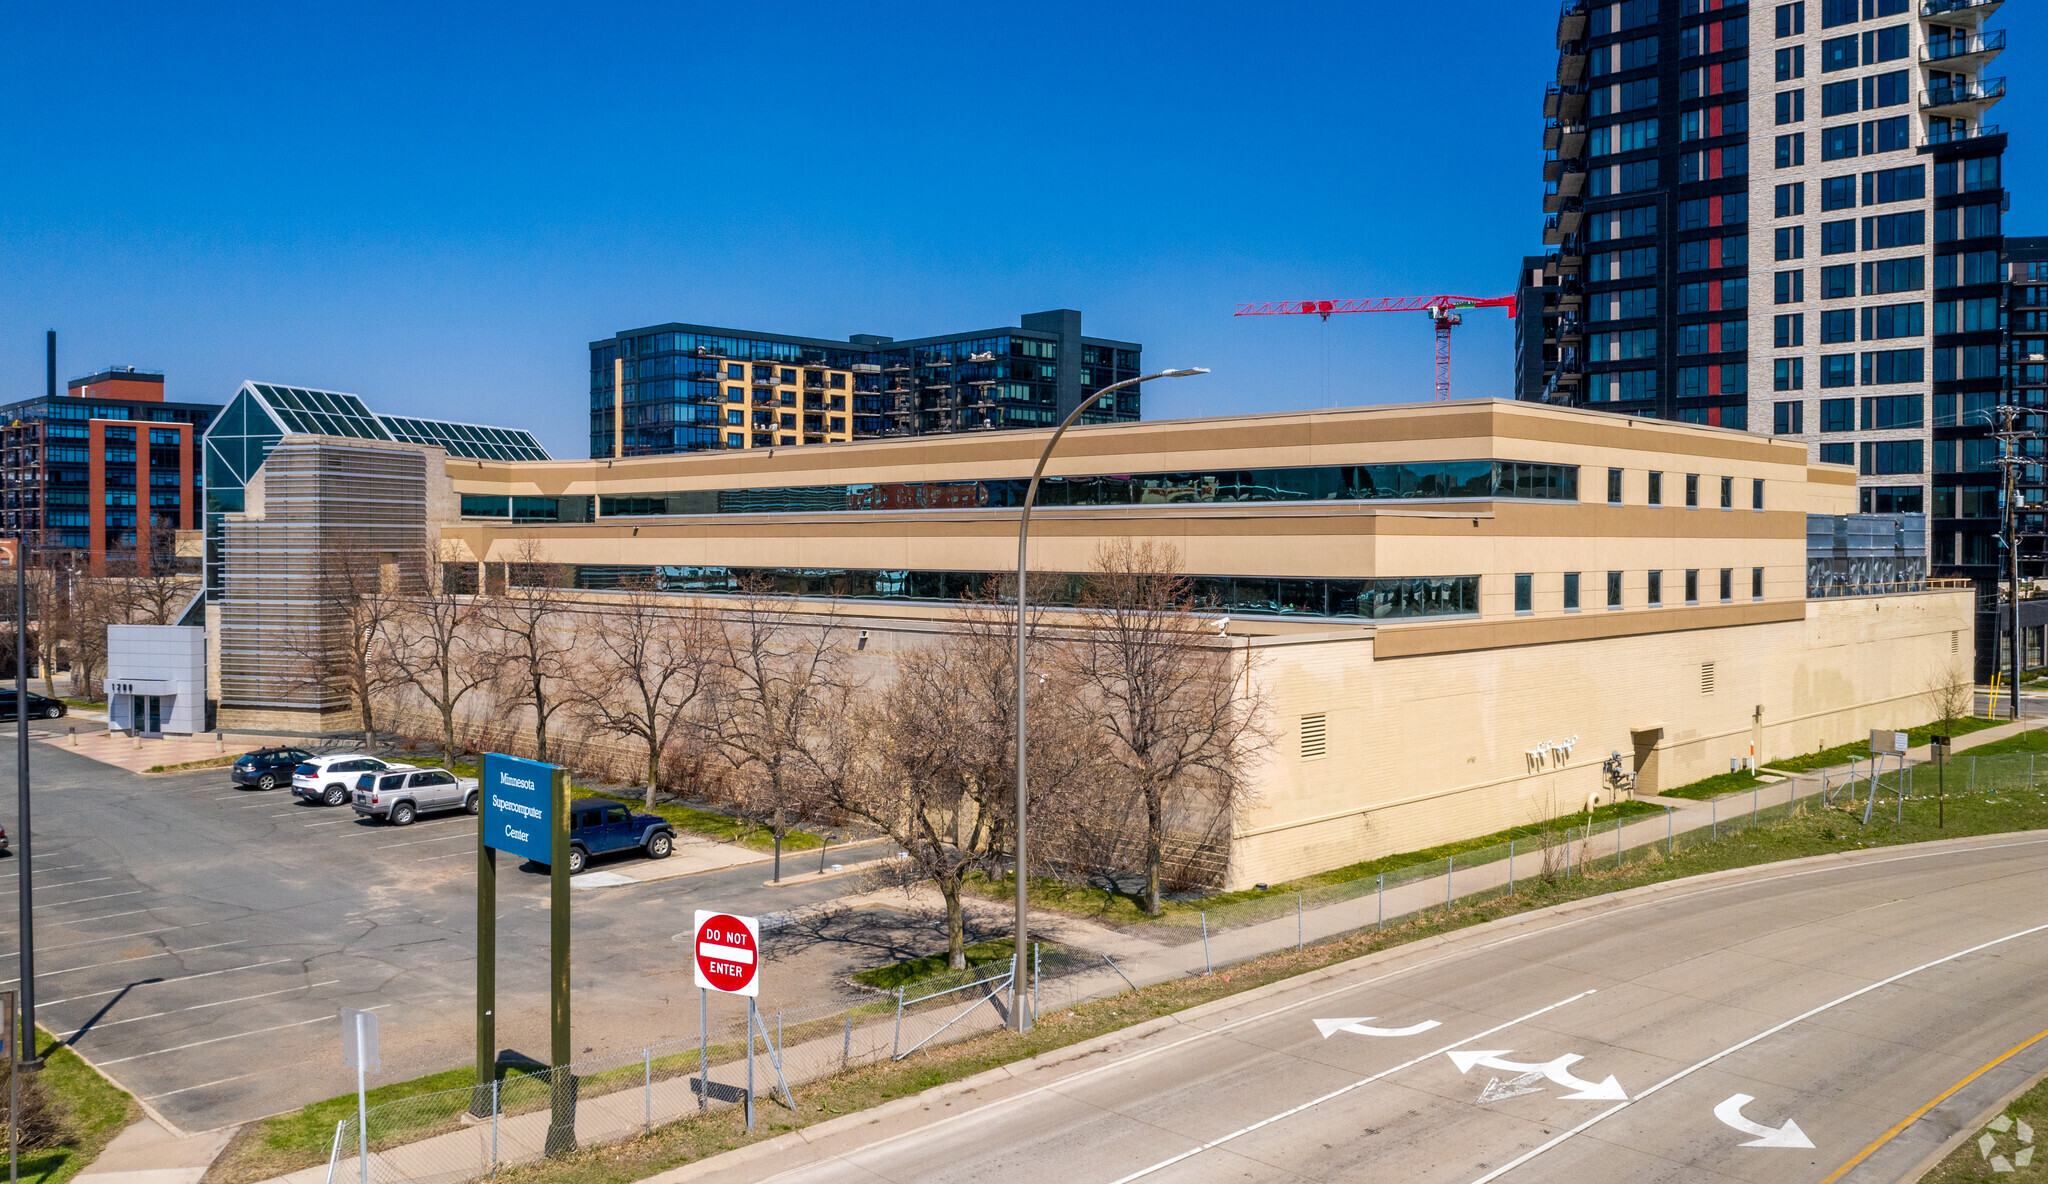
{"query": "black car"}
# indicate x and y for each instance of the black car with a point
(39, 707)
(268, 768)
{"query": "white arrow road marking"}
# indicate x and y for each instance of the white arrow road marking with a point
(1789, 1135)
(1356, 1027)
(1557, 1070)
(1341, 1090)
(1514, 1087)
(1739, 1045)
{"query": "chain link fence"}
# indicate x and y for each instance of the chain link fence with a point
(464, 1135)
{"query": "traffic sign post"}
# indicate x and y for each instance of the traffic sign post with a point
(359, 1052)
(525, 811)
(727, 959)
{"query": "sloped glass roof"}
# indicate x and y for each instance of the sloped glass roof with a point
(321, 413)
(473, 441)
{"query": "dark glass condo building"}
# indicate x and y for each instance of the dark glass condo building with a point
(690, 388)
(1787, 218)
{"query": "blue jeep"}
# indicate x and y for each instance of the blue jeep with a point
(598, 827)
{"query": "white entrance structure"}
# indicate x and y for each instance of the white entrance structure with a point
(156, 679)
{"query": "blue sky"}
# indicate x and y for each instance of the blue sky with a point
(438, 205)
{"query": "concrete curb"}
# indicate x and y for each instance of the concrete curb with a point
(1492, 930)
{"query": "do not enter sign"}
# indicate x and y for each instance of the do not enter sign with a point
(728, 950)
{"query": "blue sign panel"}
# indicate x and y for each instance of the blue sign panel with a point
(519, 806)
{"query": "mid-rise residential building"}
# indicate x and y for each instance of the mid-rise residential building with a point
(106, 472)
(694, 388)
(1788, 218)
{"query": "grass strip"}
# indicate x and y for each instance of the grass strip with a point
(1974, 1159)
(1842, 754)
(212, 762)
(1112, 907)
(1715, 786)
(915, 970)
(93, 1110)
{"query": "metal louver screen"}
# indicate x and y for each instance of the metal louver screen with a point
(1314, 736)
(1706, 678)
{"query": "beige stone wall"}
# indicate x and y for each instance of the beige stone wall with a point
(1428, 749)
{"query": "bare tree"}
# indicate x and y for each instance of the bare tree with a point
(651, 662)
(1949, 693)
(1170, 701)
(438, 649)
(532, 645)
(50, 600)
(95, 604)
(156, 585)
(932, 760)
(781, 692)
(358, 600)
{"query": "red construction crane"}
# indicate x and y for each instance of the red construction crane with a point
(1442, 310)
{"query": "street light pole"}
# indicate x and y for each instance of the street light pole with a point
(1018, 1020)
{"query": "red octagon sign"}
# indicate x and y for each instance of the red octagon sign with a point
(728, 952)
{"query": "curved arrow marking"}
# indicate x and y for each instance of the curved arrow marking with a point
(1789, 1135)
(1557, 1070)
(1356, 1027)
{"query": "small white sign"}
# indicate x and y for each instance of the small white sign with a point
(358, 1036)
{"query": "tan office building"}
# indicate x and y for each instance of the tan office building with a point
(1458, 610)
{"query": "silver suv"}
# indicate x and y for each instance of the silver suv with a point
(400, 797)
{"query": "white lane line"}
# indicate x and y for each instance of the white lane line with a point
(1544, 927)
(318, 1019)
(1341, 1091)
(334, 822)
(157, 1015)
(43, 974)
(1689, 1070)
(449, 855)
(164, 981)
(109, 917)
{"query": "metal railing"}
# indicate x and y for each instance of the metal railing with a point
(1963, 92)
(1942, 48)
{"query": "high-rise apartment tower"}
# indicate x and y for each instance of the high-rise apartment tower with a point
(1785, 218)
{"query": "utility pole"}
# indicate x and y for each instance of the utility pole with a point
(2011, 459)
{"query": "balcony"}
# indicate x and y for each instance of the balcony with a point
(1962, 99)
(1968, 52)
(1571, 63)
(1568, 140)
(1977, 9)
(1567, 103)
(1958, 133)
(1571, 22)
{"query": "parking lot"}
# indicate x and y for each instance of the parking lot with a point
(196, 940)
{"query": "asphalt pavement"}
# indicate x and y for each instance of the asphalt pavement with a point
(1765, 1025)
(196, 940)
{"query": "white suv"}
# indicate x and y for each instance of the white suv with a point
(329, 780)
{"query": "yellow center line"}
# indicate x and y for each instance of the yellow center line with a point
(1937, 1100)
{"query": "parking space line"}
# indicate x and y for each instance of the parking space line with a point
(97, 940)
(318, 1019)
(50, 904)
(164, 981)
(52, 887)
(449, 855)
(417, 842)
(188, 1089)
(157, 1015)
(331, 822)
(109, 917)
(41, 975)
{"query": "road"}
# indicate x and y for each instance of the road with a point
(1841, 995)
(196, 940)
